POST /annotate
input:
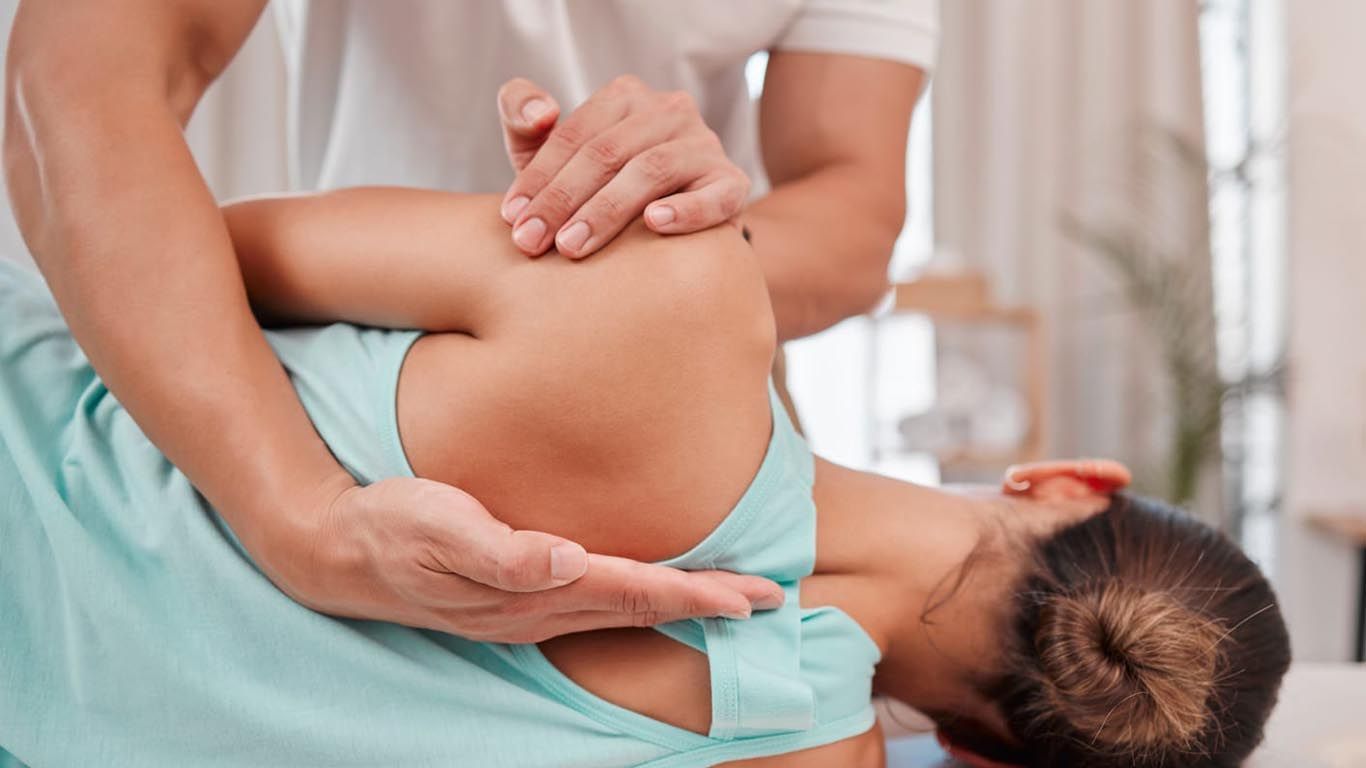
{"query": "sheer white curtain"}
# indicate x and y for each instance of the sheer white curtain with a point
(1069, 108)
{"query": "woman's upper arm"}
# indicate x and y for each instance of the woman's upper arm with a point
(392, 257)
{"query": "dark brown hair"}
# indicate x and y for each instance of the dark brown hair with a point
(1140, 637)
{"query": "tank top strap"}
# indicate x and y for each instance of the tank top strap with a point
(757, 687)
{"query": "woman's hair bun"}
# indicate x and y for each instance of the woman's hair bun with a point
(1129, 669)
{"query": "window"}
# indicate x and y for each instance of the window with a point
(1243, 66)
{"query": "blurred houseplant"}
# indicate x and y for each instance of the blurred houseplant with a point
(1171, 290)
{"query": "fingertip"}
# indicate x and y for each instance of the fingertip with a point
(537, 116)
(530, 561)
(660, 215)
(512, 208)
(568, 562)
(730, 603)
(572, 240)
(769, 601)
(737, 608)
(528, 236)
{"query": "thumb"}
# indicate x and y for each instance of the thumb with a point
(489, 552)
(530, 561)
(527, 113)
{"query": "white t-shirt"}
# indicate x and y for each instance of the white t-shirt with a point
(404, 91)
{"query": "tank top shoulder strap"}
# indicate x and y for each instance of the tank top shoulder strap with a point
(757, 686)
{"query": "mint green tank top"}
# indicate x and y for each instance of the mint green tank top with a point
(135, 631)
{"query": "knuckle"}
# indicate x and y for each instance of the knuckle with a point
(556, 200)
(679, 101)
(733, 196)
(568, 136)
(477, 632)
(533, 178)
(514, 572)
(626, 83)
(522, 636)
(606, 208)
(635, 601)
(648, 619)
(511, 610)
(606, 152)
(659, 167)
(478, 625)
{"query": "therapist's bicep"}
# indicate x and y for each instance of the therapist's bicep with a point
(823, 113)
(833, 130)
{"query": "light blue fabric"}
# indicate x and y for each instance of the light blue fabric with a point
(134, 631)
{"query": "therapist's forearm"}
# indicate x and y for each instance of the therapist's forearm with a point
(135, 250)
(824, 248)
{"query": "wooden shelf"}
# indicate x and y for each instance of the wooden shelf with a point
(964, 297)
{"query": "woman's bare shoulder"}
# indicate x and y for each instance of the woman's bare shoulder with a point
(620, 401)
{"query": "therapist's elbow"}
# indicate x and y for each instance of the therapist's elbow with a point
(853, 281)
(864, 279)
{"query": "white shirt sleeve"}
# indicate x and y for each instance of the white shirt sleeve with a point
(900, 30)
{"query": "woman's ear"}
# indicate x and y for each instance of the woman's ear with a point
(1064, 480)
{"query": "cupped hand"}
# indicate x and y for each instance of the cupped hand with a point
(428, 555)
(627, 150)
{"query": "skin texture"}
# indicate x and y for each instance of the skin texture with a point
(593, 394)
(833, 136)
(98, 92)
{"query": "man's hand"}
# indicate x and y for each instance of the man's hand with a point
(425, 554)
(626, 150)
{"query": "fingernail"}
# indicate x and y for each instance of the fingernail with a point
(572, 237)
(660, 215)
(736, 615)
(529, 235)
(513, 207)
(770, 602)
(567, 562)
(534, 110)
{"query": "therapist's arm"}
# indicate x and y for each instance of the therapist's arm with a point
(833, 133)
(138, 257)
(129, 238)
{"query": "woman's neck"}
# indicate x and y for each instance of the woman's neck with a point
(923, 571)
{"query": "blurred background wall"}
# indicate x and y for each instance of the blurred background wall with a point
(1325, 447)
